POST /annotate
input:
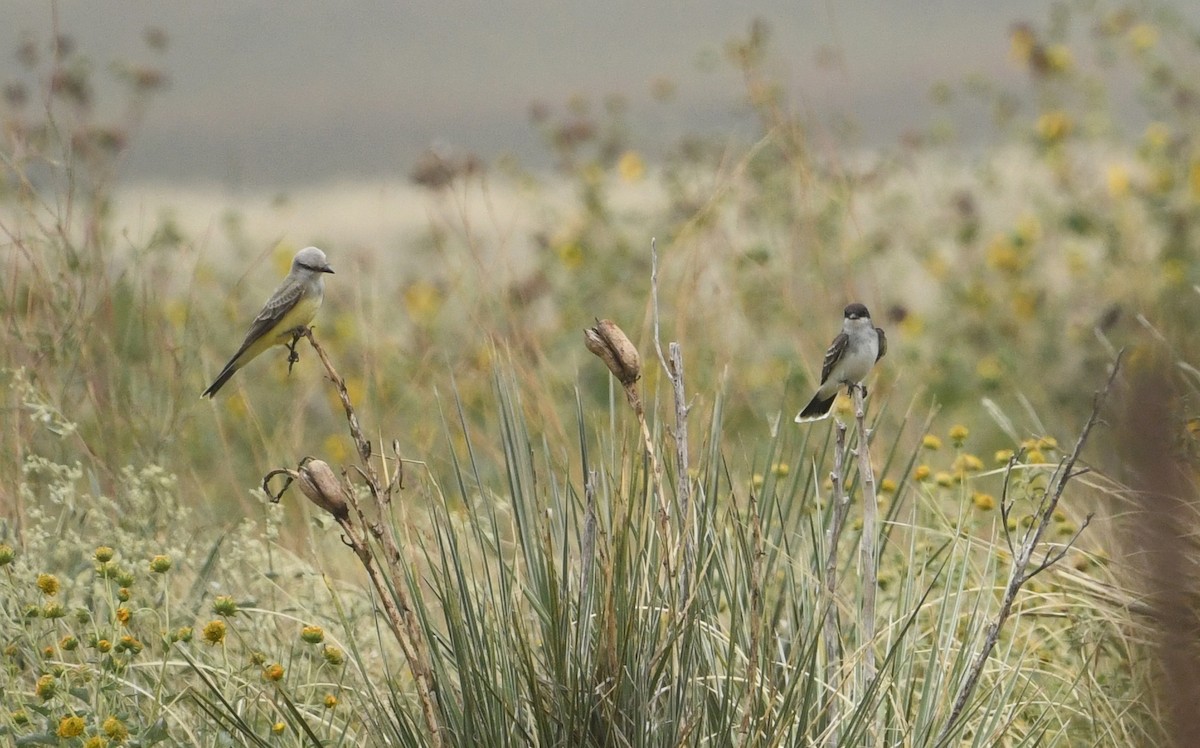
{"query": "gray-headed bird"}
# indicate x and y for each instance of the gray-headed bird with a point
(286, 313)
(848, 361)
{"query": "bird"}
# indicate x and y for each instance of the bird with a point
(849, 359)
(285, 315)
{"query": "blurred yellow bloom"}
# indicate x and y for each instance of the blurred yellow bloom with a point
(1022, 43)
(1059, 58)
(1054, 126)
(1194, 179)
(1029, 229)
(1143, 37)
(921, 472)
(843, 406)
(422, 299)
(1003, 255)
(1157, 136)
(1025, 305)
(937, 267)
(887, 485)
(780, 468)
(757, 480)
(913, 324)
(1117, 178)
(1174, 271)
(1002, 456)
(983, 501)
(967, 463)
(1047, 442)
(988, 369)
(958, 434)
(570, 254)
(356, 389)
(631, 167)
(335, 449)
(943, 478)
(1035, 457)
(931, 442)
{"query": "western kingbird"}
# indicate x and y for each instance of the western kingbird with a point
(848, 361)
(286, 313)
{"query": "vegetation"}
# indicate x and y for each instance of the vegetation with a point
(541, 552)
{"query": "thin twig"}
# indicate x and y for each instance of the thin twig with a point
(1019, 574)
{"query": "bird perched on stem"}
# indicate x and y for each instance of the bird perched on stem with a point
(285, 315)
(848, 361)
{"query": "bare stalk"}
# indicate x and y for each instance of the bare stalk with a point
(868, 558)
(1023, 567)
(674, 370)
(335, 498)
(833, 533)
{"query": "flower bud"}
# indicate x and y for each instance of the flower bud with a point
(321, 486)
(611, 345)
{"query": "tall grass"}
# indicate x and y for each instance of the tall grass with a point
(152, 595)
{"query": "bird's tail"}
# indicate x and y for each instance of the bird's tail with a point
(222, 378)
(817, 408)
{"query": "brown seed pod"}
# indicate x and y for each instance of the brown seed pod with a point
(613, 347)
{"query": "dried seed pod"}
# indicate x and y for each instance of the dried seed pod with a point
(614, 348)
(322, 488)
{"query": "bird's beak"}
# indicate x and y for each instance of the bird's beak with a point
(327, 269)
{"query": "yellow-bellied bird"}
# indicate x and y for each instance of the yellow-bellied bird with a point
(288, 311)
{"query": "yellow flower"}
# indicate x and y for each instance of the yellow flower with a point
(631, 167)
(1054, 126)
(1022, 43)
(1002, 456)
(160, 564)
(1035, 457)
(273, 672)
(1002, 255)
(1047, 443)
(1059, 58)
(988, 369)
(931, 442)
(330, 701)
(570, 254)
(422, 300)
(780, 469)
(887, 485)
(944, 479)
(757, 480)
(70, 727)
(312, 634)
(333, 655)
(983, 501)
(1157, 136)
(46, 687)
(95, 742)
(921, 473)
(967, 463)
(48, 584)
(104, 554)
(278, 728)
(1143, 37)
(123, 615)
(214, 632)
(958, 434)
(1117, 178)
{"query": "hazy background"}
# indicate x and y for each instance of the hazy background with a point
(269, 96)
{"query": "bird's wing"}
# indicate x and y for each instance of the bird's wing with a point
(833, 355)
(882, 343)
(284, 298)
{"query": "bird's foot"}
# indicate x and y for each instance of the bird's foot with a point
(293, 355)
